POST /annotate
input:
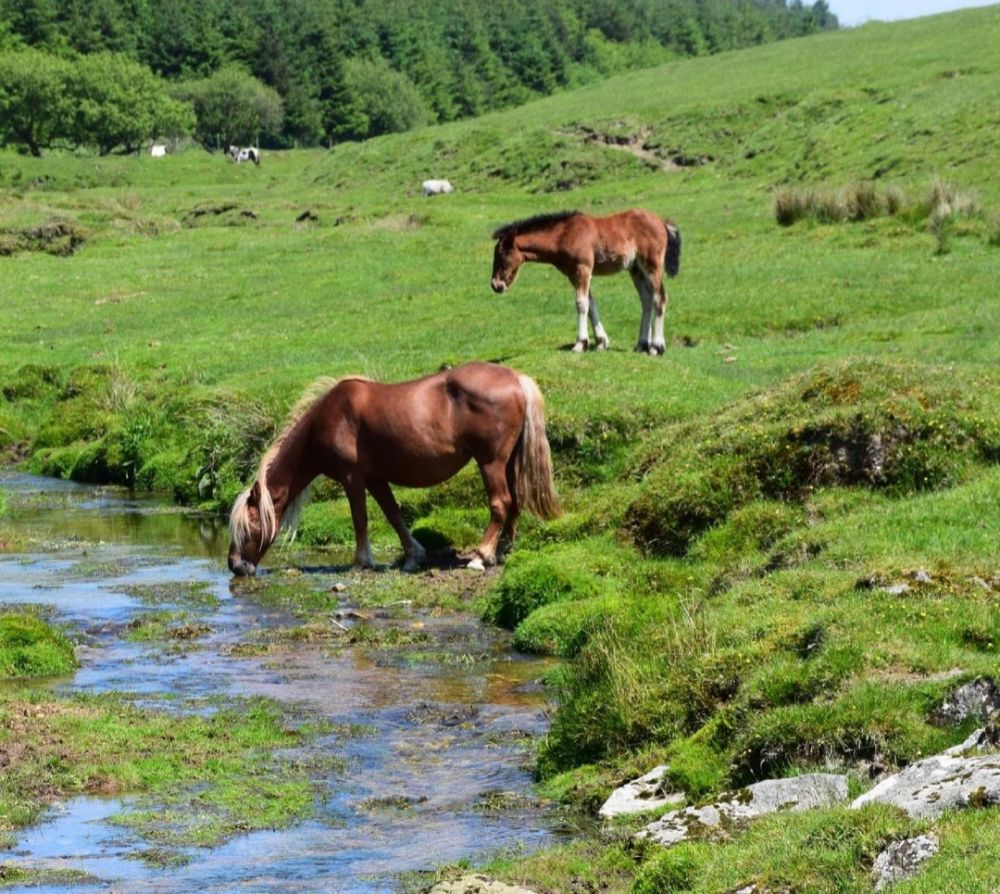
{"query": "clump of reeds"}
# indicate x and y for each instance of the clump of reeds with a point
(940, 207)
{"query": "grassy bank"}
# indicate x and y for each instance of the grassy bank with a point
(741, 513)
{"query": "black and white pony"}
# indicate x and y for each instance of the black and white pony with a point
(241, 154)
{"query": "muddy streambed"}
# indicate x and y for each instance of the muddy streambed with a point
(438, 743)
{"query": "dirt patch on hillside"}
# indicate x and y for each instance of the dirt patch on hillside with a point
(54, 238)
(229, 214)
(639, 144)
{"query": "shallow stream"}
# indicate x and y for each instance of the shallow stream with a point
(438, 737)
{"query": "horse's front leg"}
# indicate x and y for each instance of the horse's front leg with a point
(413, 552)
(600, 336)
(581, 283)
(354, 487)
(495, 479)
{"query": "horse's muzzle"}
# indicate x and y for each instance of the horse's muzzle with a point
(242, 568)
(499, 286)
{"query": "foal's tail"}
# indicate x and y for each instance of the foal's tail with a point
(533, 459)
(672, 257)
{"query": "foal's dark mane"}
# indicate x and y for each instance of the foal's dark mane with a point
(532, 224)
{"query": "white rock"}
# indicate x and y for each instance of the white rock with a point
(640, 795)
(476, 884)
(770, 796)
(901, 859)
(928, 788)
(981, 740)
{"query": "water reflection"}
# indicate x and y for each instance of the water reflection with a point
(98, 544)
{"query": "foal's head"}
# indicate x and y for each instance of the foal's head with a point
(507, 260)
(253, 529)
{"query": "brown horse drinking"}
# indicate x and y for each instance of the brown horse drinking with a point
(581, 246)
(368, 436)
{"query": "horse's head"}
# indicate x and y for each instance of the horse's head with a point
(251, 532)
(507, 260)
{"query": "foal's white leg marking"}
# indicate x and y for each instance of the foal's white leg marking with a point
(658, 345)
(646, 297)
(582, 311)
(600, 336)
(476, 564)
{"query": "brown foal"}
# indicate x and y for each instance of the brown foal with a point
(581, 247)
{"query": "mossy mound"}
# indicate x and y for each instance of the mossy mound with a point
(31, 648)
(884, 426)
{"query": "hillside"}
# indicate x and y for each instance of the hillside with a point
(741, 513)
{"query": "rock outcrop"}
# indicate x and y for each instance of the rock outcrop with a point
(901, 860)
(645, 793)
(476, 884)
(735, 809)
(927, 788)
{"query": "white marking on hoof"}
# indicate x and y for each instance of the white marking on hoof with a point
(657, 350)
(476, 565)
(580, 347)
(603, 343)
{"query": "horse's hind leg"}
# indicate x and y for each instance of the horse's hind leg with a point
(501, 502)
(658, 345)
(581, 283)
(354, 487)
(510, 523)
(414, 554)
(642, 286)
(600, 336)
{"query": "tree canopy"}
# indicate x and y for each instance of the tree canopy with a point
(331, 62)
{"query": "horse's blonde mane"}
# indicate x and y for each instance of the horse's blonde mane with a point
(239, 517)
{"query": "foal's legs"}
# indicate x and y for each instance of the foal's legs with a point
(413, 552)
(658, 345)
(642, 286)
(354, 487)
(494, 475)
(600, 336)
(581, 283)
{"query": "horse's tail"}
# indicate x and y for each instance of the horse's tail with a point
(535, 491)
(672, 256)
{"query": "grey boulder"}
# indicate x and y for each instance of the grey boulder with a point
(639, 795)
(901, 859)
(759, 799)
(927, 788)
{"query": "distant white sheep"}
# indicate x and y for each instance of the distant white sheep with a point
(436, 187)
(158, 150)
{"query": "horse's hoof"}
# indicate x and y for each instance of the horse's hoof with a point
(603, 344)
(657, 350)
(642, 347)
(476, 565)
(580, 347)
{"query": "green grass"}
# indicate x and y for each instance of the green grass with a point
(199, 771)
(823, 424)
(31, 648)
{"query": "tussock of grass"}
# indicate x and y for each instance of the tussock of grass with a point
(887, 427)
(939, 207)
(31, 648)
